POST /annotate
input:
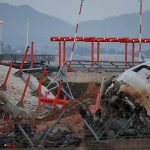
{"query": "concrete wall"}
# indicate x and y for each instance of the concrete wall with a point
(83, 77)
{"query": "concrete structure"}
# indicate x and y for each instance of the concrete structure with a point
(37, 58)
(86, 77)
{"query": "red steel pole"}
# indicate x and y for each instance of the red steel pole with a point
(7, 75)
(126, 54)
(59, 90)
(41, 80)
(3, 86)
(59, 55)
(98, 52)
(75, 36)
(32, 54)
(39, 91)
(25, 89)
(24, 58)
(133, 53)
(64, 55)
(53, 101)
(92, 53)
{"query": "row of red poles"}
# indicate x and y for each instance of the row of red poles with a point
(43, 99)
(98, 44)
(3, 86)
(62, 53)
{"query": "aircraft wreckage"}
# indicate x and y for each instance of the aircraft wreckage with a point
(121, 110)
(125, 106)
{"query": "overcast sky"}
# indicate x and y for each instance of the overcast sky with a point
(93, 9)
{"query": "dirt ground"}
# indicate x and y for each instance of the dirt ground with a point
(91, 92)
(72, 118)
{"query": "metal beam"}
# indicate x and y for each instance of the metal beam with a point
(101, 39)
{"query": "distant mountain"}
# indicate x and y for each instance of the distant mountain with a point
(119, 26)
(41, 26)
(126, 25)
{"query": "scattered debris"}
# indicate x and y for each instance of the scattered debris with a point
(120, 110)
(20, 134)
(125, 107)
(62, 136)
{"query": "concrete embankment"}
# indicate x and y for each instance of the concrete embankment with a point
(86, 77)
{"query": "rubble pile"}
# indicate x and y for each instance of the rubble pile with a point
(124, 110)
(119, 109)
(24, 136)
(18, 126)
(15, 87)
(11, 97)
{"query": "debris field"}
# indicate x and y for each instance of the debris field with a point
(106, 111)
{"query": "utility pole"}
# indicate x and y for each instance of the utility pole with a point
(1, 41)
(140, 35)
(27, 31)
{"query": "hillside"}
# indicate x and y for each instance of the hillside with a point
(41, 26)
(119, 26)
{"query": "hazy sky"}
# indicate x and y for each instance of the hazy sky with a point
(93, 9)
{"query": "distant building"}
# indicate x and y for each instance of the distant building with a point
(1, 24)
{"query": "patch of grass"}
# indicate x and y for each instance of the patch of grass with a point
(98, 84)
(78, 88)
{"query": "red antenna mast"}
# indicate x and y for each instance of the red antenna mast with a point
(75, 36)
